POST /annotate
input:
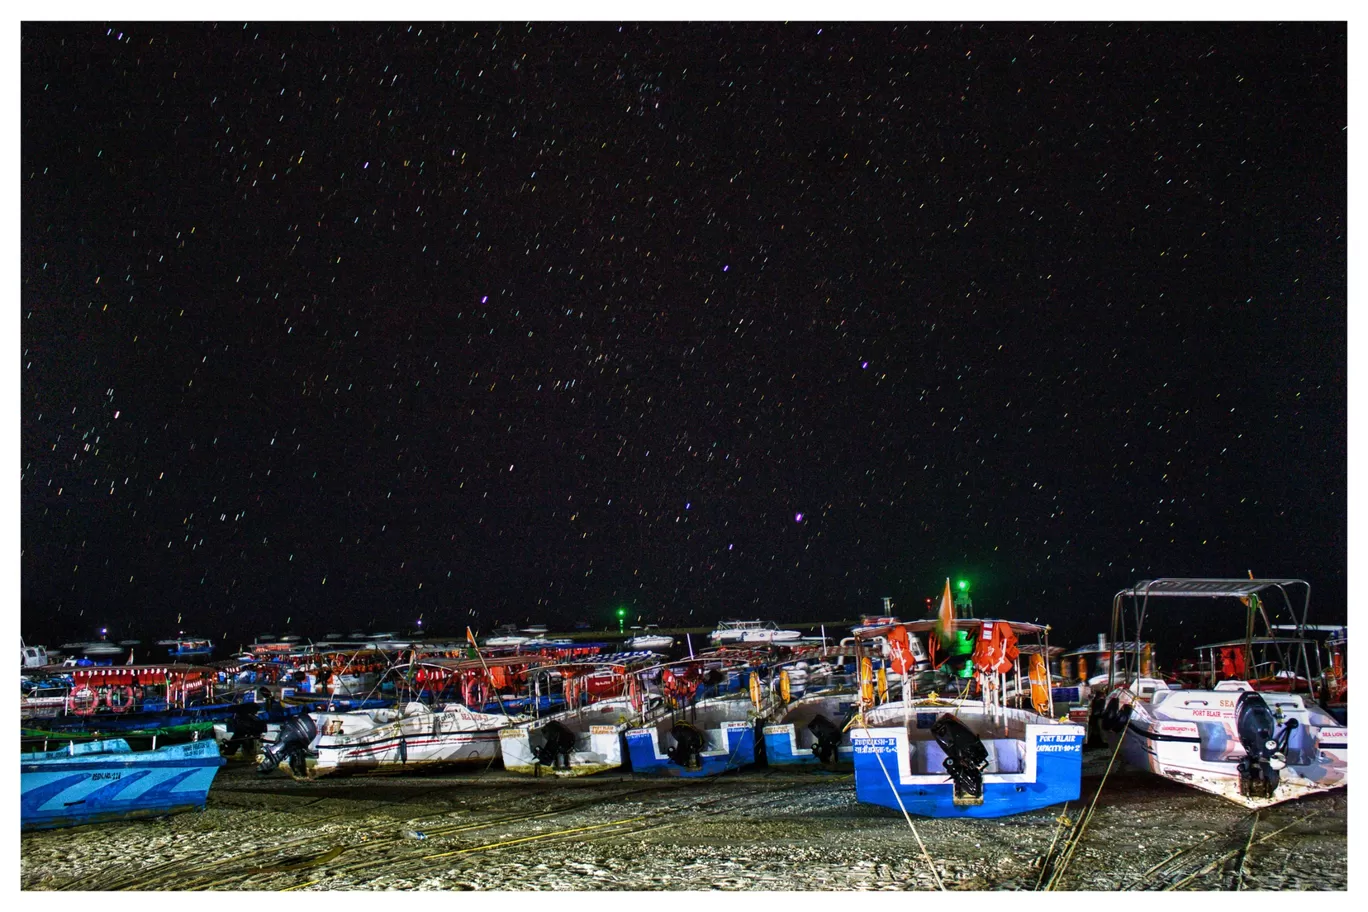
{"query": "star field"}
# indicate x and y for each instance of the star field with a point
(491, 323)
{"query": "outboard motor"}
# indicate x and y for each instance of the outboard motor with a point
(688, 747)
(826, 737)
(554, 751)
(244, 728)
(1265, 751)
(965, 758)
(296, 735)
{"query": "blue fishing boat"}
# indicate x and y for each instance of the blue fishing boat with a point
(709, 737)
(102, 781)
(963, 759)
(813, 731)
(991, 751)
(709, 727)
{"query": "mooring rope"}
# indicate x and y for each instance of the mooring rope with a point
(906, 816)
(1062, 820)
(1071, 844)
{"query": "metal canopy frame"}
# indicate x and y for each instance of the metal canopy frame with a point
(1197, 587)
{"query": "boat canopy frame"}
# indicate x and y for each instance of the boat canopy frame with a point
(1250, 591)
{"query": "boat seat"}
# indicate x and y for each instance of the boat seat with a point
(1218, 743)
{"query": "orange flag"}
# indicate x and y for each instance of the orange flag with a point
(945, 621)
(471, 637)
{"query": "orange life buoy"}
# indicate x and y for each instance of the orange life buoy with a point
(1039, 677)
(83, 701)
(634, 693)
(128, 702)
(866, 681)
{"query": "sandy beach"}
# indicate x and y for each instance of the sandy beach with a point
(755, 830)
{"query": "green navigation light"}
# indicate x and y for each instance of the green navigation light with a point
(963, 585)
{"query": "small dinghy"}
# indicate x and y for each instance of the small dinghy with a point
(102, 781)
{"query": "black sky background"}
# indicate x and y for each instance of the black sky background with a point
(328, 327)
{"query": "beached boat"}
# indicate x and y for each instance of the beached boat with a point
(1252, 732)
(813, 731)
(575, 742)
(118, 698)
(972, 756)
(102, 781)
(399, 739)
(43, 695)
(713, 711)
(602, 701)
(734, 632)
(707, 738)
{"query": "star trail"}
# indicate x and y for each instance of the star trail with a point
(333, 326)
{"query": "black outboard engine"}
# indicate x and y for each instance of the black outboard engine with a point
(554, 751)
(1265, 751)
(296, 734)
(688, 746)
(244, 729)
(826, 737)
(965, 758)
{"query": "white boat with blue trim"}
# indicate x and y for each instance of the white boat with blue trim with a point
(602, 700)
(983, 755)
(708, 724)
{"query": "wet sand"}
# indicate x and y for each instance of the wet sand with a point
(754, 830)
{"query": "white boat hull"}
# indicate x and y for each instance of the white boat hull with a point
(1190, 736)
(598, 730)
(389, 740)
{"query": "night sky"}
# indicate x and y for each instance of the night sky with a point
(330, 327)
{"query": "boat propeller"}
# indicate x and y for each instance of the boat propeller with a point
(557, 742)
(965, 758)
(296, 735)
(1265, 748)
(688, 746)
